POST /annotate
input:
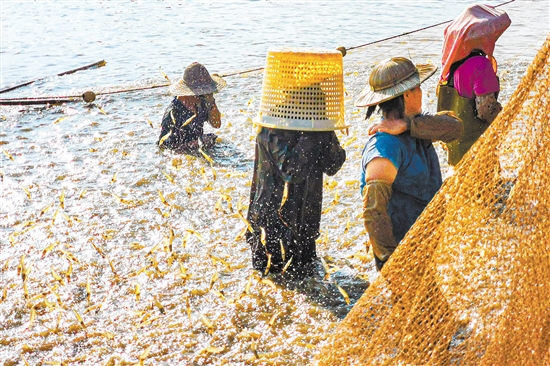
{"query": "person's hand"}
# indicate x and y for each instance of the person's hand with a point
(214, 115)
(208, 100)
(487, 107)
(391, 126)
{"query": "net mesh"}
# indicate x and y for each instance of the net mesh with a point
(470, 283)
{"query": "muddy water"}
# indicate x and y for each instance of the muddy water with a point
(111, 251)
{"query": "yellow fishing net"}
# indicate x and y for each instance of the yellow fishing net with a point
(470, 283)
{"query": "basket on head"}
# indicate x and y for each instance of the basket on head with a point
(303, 89)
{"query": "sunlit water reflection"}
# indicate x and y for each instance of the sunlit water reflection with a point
(130, 253)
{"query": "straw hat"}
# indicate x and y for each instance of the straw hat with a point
(197, 81)
(391, 78)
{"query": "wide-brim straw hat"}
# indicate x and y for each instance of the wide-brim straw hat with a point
(197, 81)
(391, 78)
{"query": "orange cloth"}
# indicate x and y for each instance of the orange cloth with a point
(477, 27)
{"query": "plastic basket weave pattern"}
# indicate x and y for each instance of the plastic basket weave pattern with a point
(303, 89)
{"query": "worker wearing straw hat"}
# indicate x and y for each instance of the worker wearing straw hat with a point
(302, 104)
(400, 168)
(182, 127)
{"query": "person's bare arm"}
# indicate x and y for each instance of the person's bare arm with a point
(444, 126)
(381, 169)
(488, 107)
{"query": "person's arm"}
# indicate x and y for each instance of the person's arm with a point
(486, 87)
(444, 126)
(214, 115)
(334, 155)
(166, 125)
(379, 174)
(487, 107)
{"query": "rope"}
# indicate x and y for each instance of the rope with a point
(90, 96)
(414, 31)
(87, 97)
(31, 101)
(90, 66)
(242, 72)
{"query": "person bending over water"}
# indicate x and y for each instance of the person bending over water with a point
(182, 128)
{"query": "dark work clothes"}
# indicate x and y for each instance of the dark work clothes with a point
(186, 137)
(299, 158)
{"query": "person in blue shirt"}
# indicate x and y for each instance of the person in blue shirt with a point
(400, 168)
(182, 128)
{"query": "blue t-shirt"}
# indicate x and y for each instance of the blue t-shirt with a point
(418, 176)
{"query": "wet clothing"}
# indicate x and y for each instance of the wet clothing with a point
(184, 138)
(468, 78)
(298, 159)
(418, 179)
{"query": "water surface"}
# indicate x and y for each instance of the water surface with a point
(146, 247)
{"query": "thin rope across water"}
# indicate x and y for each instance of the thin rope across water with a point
(90, 96)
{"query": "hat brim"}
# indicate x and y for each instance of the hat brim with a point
(369, 97)
(179, 88)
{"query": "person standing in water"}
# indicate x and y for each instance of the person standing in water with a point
(182, 128)
(295, 147)
(400, 168)
(468, 84)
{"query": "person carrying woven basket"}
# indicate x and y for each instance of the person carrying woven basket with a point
(296, 145)
(468, 84)
(400, 167)
(182, 128)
